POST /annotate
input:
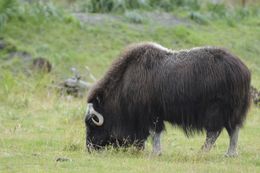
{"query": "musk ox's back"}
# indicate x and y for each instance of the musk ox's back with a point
(202, 88)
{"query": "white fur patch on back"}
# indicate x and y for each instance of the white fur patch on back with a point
(158, 46)
(195, 48)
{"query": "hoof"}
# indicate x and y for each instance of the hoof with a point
(157, 153)
(204, 149)
(231, 154)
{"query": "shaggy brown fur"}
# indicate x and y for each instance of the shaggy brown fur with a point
(202, 88)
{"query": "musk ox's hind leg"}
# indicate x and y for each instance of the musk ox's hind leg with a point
(233, 137)
(213, 123)
(211, 138)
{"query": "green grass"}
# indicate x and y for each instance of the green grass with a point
(37, 125)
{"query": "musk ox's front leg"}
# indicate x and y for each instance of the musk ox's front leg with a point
(211, 138)
(233, 137)
(157, 150)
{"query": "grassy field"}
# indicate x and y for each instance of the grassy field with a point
(38, 126)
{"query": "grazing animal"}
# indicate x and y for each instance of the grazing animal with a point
(201, 89)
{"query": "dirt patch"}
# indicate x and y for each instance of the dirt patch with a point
(165, 19)
(158, 18)
(95, 18)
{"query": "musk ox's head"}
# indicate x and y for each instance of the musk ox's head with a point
(100, 130)
(97, 135)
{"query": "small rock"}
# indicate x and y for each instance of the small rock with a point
(35, 154)
(63, 159)
(42, 64)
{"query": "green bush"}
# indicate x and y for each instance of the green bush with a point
(134, 17)
(104, 6)
(36, 11)
(199, 18)
(6, 5)
(39, 11)
(8, 9)
(218, 10)
(101, 6)
(46, 10)
(169, 5)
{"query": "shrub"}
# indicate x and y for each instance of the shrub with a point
(37, 11)
(134, 17)
(8, 9)
(199, 18)
(101, 6)
(40, 11)
(169, 5)
(104, 6)
(218, 9)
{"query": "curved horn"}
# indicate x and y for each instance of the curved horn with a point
(98, 115)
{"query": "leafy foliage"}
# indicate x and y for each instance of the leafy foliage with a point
(37, 11)
(134, 17)
(115, 5)
(169, 5)
(104, 6)
(7, 11)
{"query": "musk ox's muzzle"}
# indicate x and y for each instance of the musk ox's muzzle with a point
(91, 146)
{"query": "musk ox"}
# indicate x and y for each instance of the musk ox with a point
(201, 89)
